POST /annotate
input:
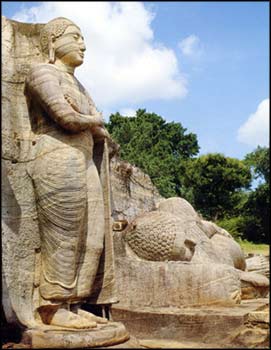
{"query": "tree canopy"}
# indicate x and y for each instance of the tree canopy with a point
(257, 206)
(259, 161)
(156, 146)
(219, 187)
(215, 182)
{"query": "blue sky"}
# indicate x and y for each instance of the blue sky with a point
(204, 64)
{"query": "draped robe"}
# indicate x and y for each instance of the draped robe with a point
(76, 261)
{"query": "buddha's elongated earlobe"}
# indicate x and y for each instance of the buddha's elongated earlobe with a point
(51, 48)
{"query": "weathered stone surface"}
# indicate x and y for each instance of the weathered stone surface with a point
(131, 343)
(174, 284)
(252, 338)
(173, 344)
(197, 327)
(57, 228)
(254, 285)
(210, 229)
(133, 193)
(259, 264)
(255, 333)
(20, 239)
(103, 335)
(175, 232)
(259, 317)
(148, 249)
(180, 208)
(229, 251)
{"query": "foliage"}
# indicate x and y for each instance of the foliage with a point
(219, 187)
(252, 222)
(156, 146)
(257, 210)
(216, 181)
(257, 207)
(234, 225)
(260, 163)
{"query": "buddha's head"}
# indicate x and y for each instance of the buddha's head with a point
(159, 236)
(62, 39)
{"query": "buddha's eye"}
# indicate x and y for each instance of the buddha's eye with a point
(76, 36)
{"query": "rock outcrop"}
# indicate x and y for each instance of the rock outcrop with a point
(133, 193)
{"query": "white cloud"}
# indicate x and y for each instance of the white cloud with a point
(123, 62)
(128, 112)
(255, 131)
(191, 46)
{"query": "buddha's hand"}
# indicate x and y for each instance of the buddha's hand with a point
(99, 133)
(97, 120)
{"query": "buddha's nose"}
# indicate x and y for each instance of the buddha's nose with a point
(82, 45)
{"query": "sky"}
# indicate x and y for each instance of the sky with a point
(202, 64)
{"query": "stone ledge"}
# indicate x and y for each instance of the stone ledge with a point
(201, 325)
(103, 335)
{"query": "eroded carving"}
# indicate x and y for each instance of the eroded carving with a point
(158, 236)
(67, 163)
(174, 231)
(70, 197)
(178, 259)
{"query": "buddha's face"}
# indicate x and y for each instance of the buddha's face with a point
(70, 47)
(183, 249)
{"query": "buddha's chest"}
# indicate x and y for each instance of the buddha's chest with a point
(74, 93)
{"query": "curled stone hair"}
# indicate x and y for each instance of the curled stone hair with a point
(151, 236)
(56, 27)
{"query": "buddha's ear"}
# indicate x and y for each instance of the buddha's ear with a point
(51, 48)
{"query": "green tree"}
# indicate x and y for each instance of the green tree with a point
(259, 162)
(215, 183)
(257, 207)
(158, 147)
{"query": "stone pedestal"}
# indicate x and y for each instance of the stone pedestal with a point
(103, 335)
(241, 326)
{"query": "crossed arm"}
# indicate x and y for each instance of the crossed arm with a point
(43, 85)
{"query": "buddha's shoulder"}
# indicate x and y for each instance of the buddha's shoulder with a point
(43, 69)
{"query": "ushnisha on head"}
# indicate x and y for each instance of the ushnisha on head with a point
(61, 39)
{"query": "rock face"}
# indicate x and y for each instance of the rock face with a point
(133, 193)
(20, 240)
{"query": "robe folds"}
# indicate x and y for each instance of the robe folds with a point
(72, 191)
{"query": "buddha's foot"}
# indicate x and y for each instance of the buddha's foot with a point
(89, 316)
(66, 319)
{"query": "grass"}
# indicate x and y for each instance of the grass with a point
(250, 247)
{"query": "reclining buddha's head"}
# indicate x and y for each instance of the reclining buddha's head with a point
(159, 236)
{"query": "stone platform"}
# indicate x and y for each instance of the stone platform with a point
(103, 335)
(245, 325)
